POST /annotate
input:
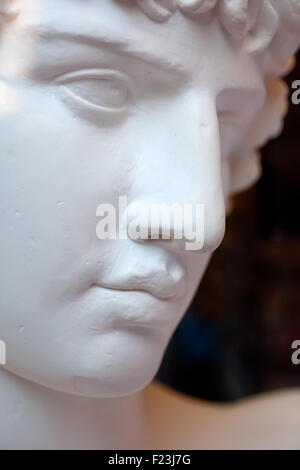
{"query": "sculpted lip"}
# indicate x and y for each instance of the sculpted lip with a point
(163, 284)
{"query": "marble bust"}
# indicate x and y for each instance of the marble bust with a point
(165, 102)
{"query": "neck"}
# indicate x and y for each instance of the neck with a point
(34, 417)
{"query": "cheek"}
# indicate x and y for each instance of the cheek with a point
(55, 171)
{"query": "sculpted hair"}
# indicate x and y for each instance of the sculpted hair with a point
(237, 16)
(262, 25)
(272, 25)
(269, 29)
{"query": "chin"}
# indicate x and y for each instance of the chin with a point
(113, 387)
(130, 368)
(113, 364)
(117, 383)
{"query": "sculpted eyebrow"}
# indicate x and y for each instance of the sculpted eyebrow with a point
(115, 45)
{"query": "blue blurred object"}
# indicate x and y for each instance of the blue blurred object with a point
(198, 339)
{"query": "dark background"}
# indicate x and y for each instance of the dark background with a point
(236, 338)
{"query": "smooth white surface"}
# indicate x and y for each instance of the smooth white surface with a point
(101, 101)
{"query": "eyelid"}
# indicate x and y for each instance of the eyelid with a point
(90, 74)
(100, 114)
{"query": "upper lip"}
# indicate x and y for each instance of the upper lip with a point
(163, 284)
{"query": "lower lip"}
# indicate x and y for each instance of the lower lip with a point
(149, 302)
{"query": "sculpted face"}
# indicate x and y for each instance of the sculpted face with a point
(100, 101)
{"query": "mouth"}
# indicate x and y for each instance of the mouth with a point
(164, 285)
(135, 310)
(159, 292)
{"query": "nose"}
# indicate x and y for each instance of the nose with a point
(178, 170)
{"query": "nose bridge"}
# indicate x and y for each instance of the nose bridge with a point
(179, 162)
(178, 147)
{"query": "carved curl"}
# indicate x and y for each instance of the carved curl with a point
(257, 22)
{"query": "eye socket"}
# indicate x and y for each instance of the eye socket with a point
(96, 93)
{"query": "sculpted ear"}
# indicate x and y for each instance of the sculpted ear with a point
(268, 124)
(245, 170)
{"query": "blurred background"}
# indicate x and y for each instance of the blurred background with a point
(235, 339)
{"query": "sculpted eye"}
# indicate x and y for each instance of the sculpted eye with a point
(95, 93)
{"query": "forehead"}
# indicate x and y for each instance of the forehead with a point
(183, 44)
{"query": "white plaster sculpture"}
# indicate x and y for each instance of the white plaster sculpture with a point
(163, 101)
